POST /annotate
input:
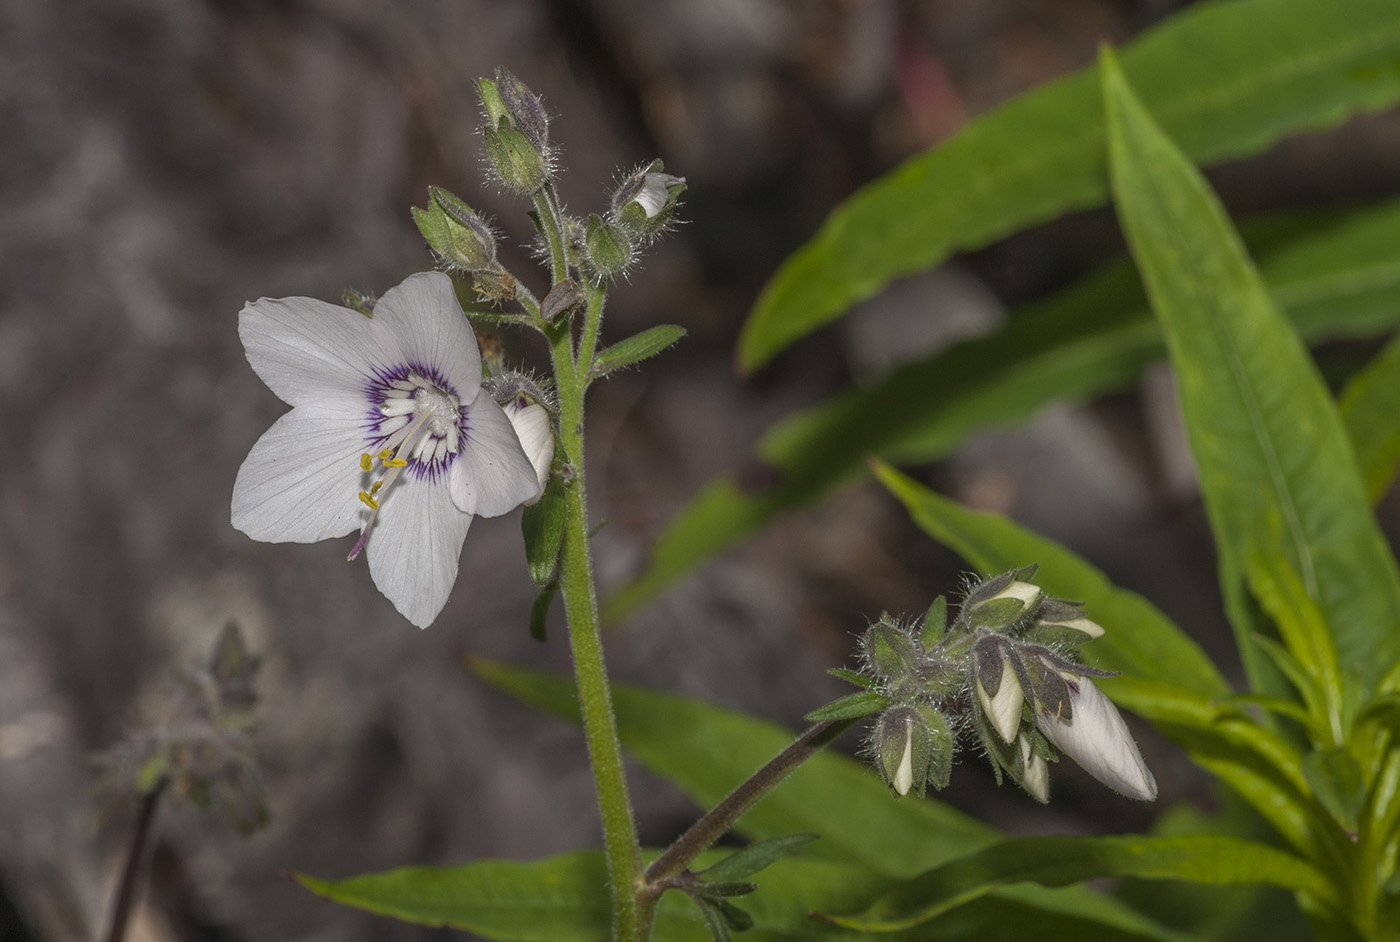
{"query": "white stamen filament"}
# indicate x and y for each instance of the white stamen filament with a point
(410, 439)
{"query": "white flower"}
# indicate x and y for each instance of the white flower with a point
(1096, 737)
(536, 433)
(387, 435)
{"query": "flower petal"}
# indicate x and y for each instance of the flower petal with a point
(414, 548)
(306, 350)
(428, 327)
(492, 475)
(301, 481)
(1098, 739)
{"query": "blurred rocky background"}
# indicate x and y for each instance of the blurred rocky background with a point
(163, 161)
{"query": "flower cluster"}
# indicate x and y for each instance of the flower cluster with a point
(1007, 668)
(388, 435)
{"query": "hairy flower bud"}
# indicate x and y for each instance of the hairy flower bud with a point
(998, 685)
(608, 248)
(1001, 602)
(516, 133)
(1093, 734)
(1034, 773)
(889, 652)
(904, 747)
(645, 201)
(1057, 613)
(460, 239)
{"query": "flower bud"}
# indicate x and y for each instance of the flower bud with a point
(460, 239)
(998, 684)
(609, 251)
(516, 133)
(1034, 774)
(1093, 734)
(1001, 602)
(902, 749)
(940, 763)
(645, 202)
(535, 430)
(520, 166)
(523, 108)
(889, 653)
(523, 401)
(1056, 613)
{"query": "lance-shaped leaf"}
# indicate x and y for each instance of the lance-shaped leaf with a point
(1370, 405)
(636, 348)
(1266, 436)
(1059, 861)
(1334, 277)
(1228, 78)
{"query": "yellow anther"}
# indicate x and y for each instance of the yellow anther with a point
(375, 490)
(366, 464)
(386, 454)
(369, 502)
(395, 463)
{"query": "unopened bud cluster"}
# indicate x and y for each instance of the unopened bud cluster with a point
(1007, 670)
(200, 743)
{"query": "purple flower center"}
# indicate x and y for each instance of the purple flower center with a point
(414, 412)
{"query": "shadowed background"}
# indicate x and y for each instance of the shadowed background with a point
(164, 161)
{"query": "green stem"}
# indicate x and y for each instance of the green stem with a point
(547, 209)
(588, 340)
(621, 848)
(719, 819)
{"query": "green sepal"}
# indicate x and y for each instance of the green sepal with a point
(935, 624)
(997, 614)
(851, 677)
(850, 707)
(521, 167)
(542, 524)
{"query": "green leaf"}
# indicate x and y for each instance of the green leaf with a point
(755, 857)
(1138, 639)
(1267, 438)
(1228, 78)
(636, 348)
(1333, 276)
(1370, 404)
(849, 707)
(1336, 779)
(708, 751)
(562, 899)
(1059, 861)
(1280, 593)
(542, 524)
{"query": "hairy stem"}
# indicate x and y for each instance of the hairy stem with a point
(547, 210)
(721, 818)
(135, 858)
(621, 849)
